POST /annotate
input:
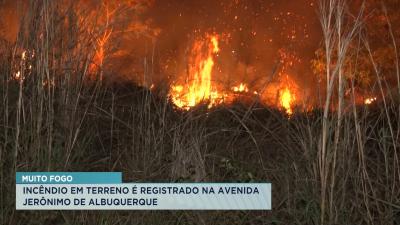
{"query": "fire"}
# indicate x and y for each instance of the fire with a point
(199, 87)
(286, 99)
(17, 75)
(241, 88)
(23, 56)
(214, 41)
(369, 101)
(98, 58)
(100, 50)
(24, 67)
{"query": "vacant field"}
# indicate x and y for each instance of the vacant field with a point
(326, 166)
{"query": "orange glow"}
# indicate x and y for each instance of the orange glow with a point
(17, 75)
(24, 67)
(214, 41)
(100, 52)
(286, 99)
(23, 56)
(199, 87)
(241, 88)
(369, 101)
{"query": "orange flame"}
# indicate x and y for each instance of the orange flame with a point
(369, 101)
(199, 88)
(100, 52)
(286, 99)
(98, 58)
(241, 88)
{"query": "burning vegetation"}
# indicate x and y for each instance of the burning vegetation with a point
(215, 62)
(203, 91)
(232, 54)
(199, 87)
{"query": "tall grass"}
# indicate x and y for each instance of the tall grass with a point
(326, 167)
(339, 31)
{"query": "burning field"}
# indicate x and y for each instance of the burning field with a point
(218, 60)
(303, 94)
(264, 52)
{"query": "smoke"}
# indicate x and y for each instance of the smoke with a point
(151, 40)
(9, 20)
(254, 35)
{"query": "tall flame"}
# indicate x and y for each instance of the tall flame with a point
(199, 87)
(100, 51)
(286, 99)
